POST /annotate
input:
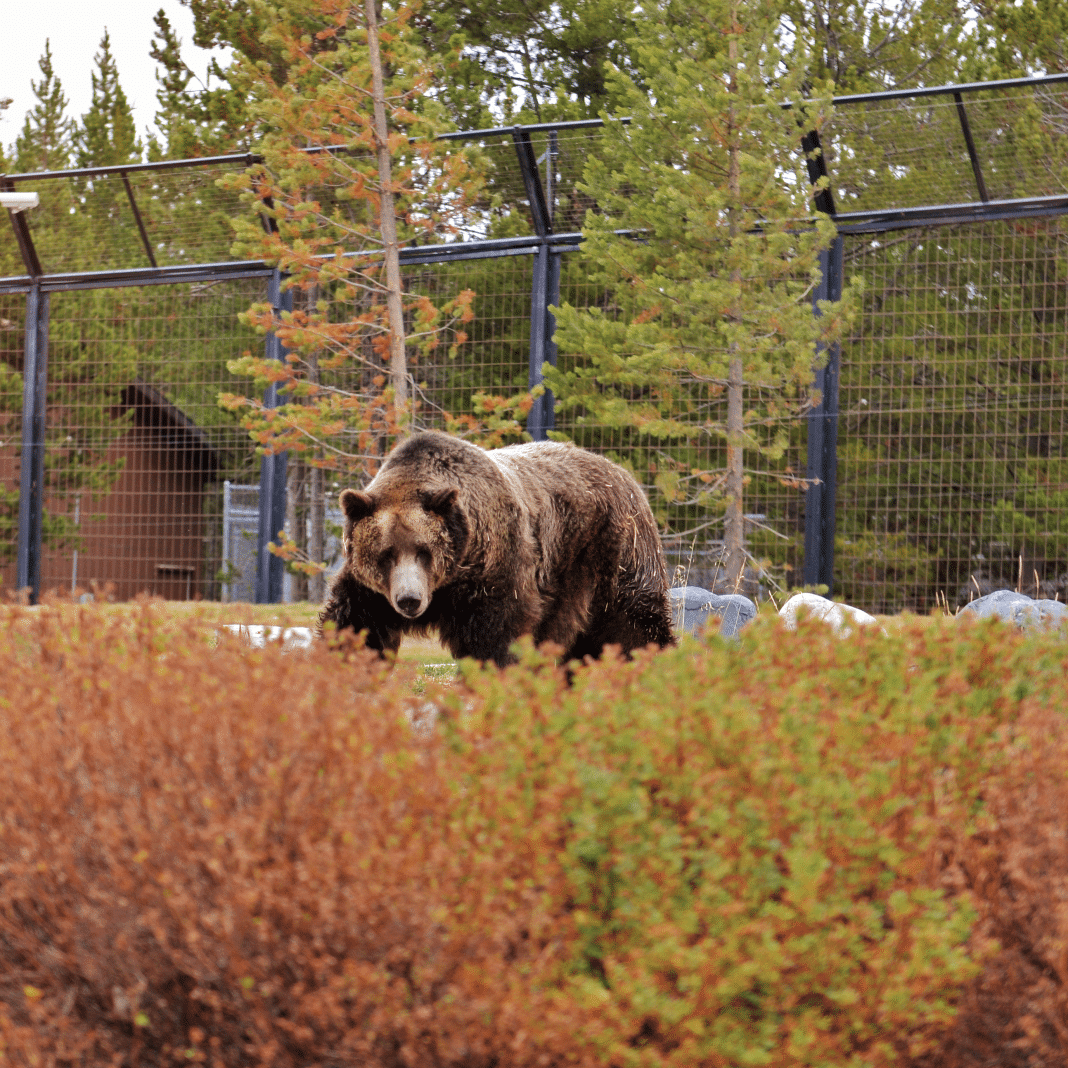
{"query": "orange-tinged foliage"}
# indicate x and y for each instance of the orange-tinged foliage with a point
(235, 853)
(791, 850)
(1014, 863)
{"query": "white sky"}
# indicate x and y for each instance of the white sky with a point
(74, 28)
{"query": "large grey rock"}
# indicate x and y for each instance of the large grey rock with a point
(692, 607)
(1018, 609)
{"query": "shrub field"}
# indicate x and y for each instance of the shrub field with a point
(789, 850)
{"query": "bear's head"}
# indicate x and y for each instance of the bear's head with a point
(403, 542)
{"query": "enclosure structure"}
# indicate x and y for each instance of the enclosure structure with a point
(935, 464)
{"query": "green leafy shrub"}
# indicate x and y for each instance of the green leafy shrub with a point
(750, 837)
(774, 852)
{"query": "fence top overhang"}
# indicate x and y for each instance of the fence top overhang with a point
(912, 144)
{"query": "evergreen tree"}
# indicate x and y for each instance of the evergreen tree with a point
(709, 333)
(524, 61)
(352, 171)
(517, 60)
(864, 47)
(196, 120)
(1024, 37)
(45, 141)
(107, 136)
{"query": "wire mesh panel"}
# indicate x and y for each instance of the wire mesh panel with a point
(137, 448)
(12, 340)
(953, 456)
(558, 157)
(678, 472)
(140, 218)
(571, 149)
(492, 358)
(240, 531)
(906, 152)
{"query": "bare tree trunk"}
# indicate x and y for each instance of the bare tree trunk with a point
(297, 519)
(734, 534)
(387, 222)
(316, 532)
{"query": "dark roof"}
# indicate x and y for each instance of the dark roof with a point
(154, 411)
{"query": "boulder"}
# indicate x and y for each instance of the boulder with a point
(258, 636)
(841, 617)
(1021, 611)
(693, 607)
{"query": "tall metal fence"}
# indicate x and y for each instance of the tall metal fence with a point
(935, 461)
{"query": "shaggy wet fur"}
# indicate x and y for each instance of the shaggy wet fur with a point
(543, 539)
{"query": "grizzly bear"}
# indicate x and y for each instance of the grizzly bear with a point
(484, 546)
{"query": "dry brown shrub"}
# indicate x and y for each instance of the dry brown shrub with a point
(1014, 863)
(210, 853)
(242, 857)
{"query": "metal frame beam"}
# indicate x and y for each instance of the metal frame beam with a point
(23, 238)
(219, 272)
(545, 283)
(146, 244)
(822, 472)
(545, 292)
(32, 472)
(540, 215)
(816, 162)
(136, 276)
(270, 569)
(948, 90)
(973, 155)
(247, 159)
(875, 222)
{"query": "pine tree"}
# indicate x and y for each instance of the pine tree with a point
(352, 171)
(45, 141)
(526, 60)
(863, 47)
(709, 334)
(195, 119)
(1024, 37)
(107, 136)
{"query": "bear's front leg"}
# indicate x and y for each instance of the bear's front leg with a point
(352, 606)
(483, 628)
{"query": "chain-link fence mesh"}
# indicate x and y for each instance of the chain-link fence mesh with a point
(951, 441)
(906, 152)
(137, 448)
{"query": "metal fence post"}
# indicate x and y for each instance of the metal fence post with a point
(545, 291)
(823, 440)
(545, 285)
(31, 481)
(270, 569)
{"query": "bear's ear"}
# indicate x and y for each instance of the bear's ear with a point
(439, 501)
(356, 505)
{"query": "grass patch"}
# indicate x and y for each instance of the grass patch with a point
(173, 616)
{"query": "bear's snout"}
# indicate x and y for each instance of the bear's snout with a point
(409, 606)
(409, 589)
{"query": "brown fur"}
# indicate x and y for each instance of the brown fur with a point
(483, 547)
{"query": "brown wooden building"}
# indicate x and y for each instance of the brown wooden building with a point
(148, 533)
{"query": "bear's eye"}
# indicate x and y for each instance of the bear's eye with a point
(386, 559)
(423, 558)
